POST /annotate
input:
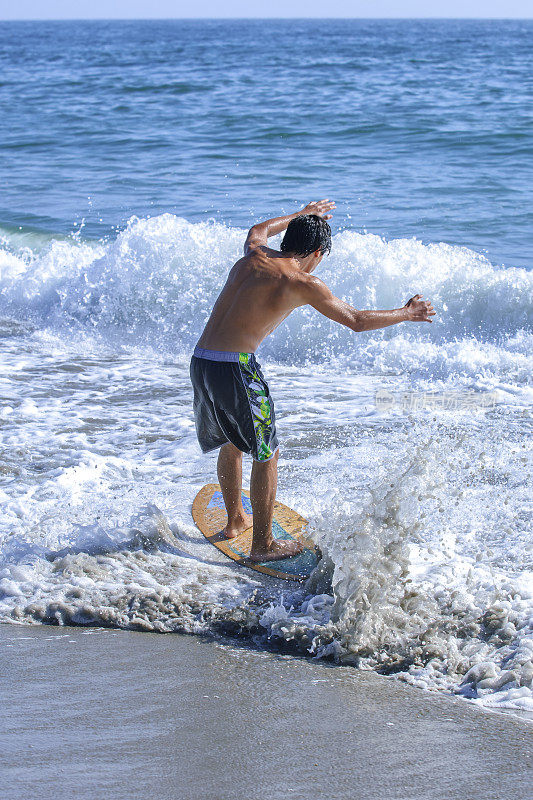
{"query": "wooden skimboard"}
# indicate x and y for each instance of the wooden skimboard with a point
(209, 514)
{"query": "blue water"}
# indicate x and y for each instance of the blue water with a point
(417, 128)
(133, 156)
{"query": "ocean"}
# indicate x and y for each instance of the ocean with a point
(133, 158)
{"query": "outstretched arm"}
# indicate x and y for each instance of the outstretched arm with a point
(258, 234)
(314, 292)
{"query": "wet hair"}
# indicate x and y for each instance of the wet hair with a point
(306, 234)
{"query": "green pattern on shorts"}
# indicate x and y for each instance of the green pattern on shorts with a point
(260, 406)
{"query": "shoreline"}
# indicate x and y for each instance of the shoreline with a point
(139, 715)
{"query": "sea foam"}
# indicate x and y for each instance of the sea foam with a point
(421, 513)
(155, 283)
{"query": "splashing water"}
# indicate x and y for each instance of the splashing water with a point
(420, 507)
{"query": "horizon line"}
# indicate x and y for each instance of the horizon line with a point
(259, 19)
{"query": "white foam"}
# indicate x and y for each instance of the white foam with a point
(156, 282)
(421, 512)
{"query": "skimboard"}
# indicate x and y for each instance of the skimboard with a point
(209, 514)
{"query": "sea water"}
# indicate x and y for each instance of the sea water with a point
(134, 156)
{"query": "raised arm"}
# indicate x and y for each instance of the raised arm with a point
(258, 234)
(314, 292)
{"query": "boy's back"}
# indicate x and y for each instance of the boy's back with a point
(256, 297)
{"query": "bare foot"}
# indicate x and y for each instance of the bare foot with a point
(238, 525)
(276, 551)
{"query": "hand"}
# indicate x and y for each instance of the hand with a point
(419, 310)
(320, 208)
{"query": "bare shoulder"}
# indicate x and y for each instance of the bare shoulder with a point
(309, 288)
(259, 250)
(273, 261)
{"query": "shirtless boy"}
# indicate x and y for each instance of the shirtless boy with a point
(232, 404)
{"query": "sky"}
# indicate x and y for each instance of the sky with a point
(157, 9)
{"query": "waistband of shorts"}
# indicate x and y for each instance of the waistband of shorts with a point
(218, 355)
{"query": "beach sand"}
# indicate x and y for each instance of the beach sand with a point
(92, 713)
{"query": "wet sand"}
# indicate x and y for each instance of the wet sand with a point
(107, 714)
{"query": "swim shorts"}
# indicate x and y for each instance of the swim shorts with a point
(232, 403)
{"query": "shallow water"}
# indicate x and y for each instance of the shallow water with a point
(419, 501)
(407, 449)
(182, 716)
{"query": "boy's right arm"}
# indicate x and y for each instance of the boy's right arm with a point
(314, 292)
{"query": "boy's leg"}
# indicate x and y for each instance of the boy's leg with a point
(229, 469)
(262, 494)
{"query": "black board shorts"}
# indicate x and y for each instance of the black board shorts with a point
(232, 403)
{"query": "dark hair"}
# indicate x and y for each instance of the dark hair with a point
(305, 234)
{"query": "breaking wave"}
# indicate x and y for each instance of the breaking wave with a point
(155, 283)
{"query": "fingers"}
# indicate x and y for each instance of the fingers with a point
(322, 206)
(422, 309)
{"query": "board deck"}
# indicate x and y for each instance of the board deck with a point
(209, 514)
